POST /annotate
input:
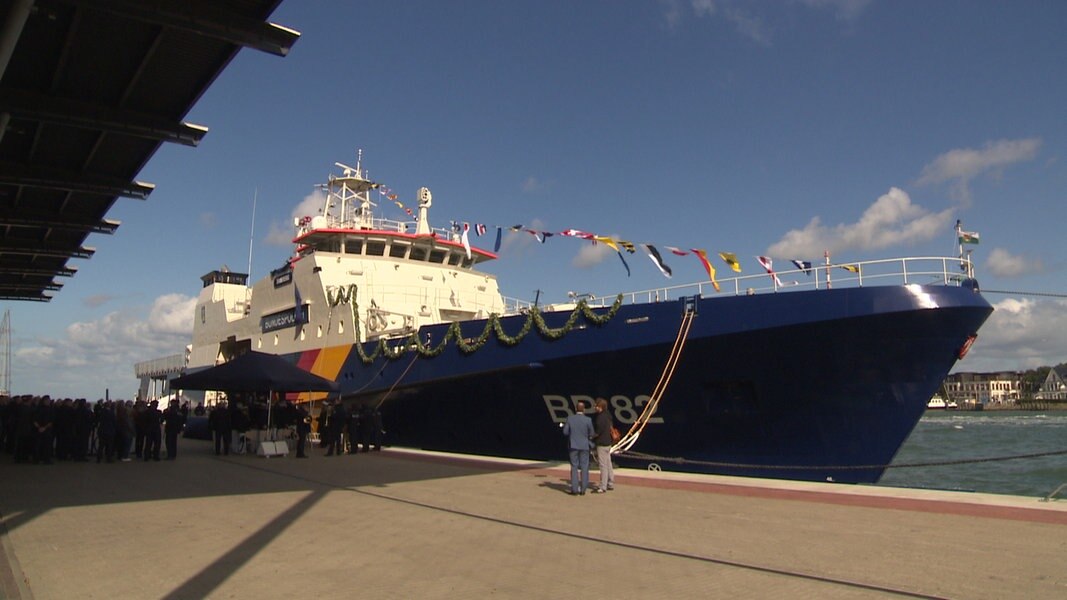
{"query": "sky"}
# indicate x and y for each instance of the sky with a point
(865, 128)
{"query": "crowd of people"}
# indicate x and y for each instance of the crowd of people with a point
(39, 429)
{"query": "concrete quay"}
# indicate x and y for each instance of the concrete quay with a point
(407, 524)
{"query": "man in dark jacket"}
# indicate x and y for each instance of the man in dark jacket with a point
(106, 429)
(153, 435)
(220, 424)
(44, 424)
(335, 427)
(174, 420)
(303, 428)
(603, 426)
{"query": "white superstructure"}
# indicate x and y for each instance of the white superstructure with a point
(401, 275)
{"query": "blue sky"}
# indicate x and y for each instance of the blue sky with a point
(866, 127)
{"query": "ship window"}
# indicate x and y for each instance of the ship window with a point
(276, 339)
(467, 263)
(354, 246)
(203, 314)
(259, 343)
(453, 259)
(398, 250)
(303, 334)
(320, 331)
(417, 253)
(375, 248)
(341, 326)
(437, 256)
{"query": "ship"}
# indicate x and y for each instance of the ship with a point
(819, 379)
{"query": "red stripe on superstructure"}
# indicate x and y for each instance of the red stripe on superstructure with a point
(395, 234)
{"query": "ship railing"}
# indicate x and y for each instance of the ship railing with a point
(159, 367)
(924, 270)
(382, 224)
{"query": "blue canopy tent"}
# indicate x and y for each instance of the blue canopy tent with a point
(255, 372)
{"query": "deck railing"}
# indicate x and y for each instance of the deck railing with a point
(924, 270)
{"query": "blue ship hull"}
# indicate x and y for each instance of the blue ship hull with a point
(812, 385)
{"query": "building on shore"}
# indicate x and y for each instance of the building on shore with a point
(1055, 385)
(1002, 389)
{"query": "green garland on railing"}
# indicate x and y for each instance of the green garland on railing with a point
(347, 295)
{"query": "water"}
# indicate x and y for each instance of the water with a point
(956, 435)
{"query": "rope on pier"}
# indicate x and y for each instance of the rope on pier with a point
(685, 461)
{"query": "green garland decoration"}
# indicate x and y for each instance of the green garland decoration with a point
(493, 325)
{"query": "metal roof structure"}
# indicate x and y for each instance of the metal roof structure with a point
(89, 90)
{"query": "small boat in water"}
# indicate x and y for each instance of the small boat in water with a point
(936, 403)
(818, 380)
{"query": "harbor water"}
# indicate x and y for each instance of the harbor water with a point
(949, 436)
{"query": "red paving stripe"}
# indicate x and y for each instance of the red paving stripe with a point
(946, 507)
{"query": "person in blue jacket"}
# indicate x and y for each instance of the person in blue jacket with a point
(579, 432)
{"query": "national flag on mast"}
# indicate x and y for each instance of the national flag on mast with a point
(466, 240)
(577, 233)
(803, 265)
(768, 264)
(731, 259)
(703, 256)
(657, 260)
(609, 241)
(968, 237)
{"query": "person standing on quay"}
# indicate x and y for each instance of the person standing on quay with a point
(139, 409)
(335, 426)
(153, 419)
(579, 432)
(106, 431)
(220, 424)
(303, 428)
(175, 420)
(44, 424)
(603, 426)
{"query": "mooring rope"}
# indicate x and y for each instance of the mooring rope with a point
(679, 460)
(627, 441)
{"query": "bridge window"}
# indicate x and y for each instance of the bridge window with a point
(417, 253)
(437, 256)
(454, 258)
(354, 246)
(398, 250)
(375, 248)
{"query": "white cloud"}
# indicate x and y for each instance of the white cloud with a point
(95, 356)
(281, 234)
(892, 220)
(844, 10)
(532, 184)
(961, 165)
(1022, 333)
(1005, 264)
(749, 25)
(591, 255)
(172, 313)
(672, 13)
(518, 242)
(97, 300)
(744, 15)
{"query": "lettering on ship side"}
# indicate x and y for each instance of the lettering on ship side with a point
(625, 410)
